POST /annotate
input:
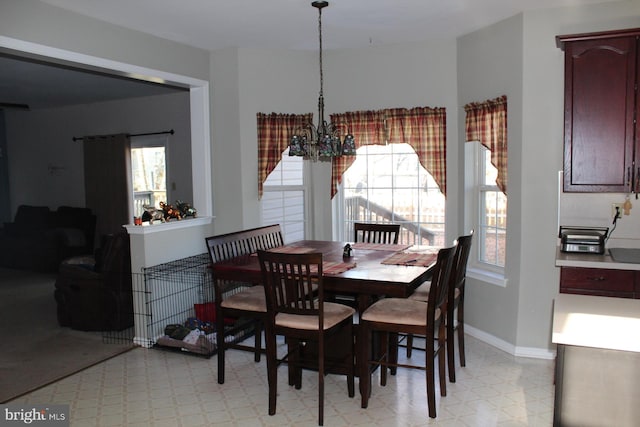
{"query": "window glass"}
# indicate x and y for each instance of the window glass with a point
(149, 177)
(283, 199)
(492, 218)
(386, 183)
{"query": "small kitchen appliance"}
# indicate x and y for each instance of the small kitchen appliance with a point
(588, 240)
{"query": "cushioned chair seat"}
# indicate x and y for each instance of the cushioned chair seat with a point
(333, 314)
(399, 311)
(251, 299)
(422, 292)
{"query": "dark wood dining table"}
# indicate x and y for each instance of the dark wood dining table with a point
(368, 278)
(372, 276)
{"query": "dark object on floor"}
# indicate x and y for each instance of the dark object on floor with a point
(205, 343)
(39, 239)
(95, 293)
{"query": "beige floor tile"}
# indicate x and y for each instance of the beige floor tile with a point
(149, 387)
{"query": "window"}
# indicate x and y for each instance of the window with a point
(149, 172)
(284, 198)
(386, 183)
(488, 213)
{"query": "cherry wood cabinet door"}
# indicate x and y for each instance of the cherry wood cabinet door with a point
(600, 79)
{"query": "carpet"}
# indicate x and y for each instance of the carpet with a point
(35, 351)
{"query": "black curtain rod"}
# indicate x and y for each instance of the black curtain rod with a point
(80, 138)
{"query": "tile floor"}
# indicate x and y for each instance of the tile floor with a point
(148, 387)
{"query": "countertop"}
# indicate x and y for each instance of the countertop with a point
(598, 322)
(591, 261)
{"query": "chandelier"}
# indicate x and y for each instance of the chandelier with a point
(320, 142)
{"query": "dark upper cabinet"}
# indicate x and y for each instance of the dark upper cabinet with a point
(601, 77)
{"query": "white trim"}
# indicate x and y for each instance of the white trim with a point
(129, 70)
(530, 352)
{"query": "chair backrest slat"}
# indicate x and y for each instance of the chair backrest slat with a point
(227, 246)
(293, 282)
(376, 233)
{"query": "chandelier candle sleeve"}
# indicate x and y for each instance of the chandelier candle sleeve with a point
(322, 141)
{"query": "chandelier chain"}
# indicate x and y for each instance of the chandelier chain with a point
(322, 141)
(320, 51)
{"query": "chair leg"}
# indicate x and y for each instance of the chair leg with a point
(272, 370)
(393, 352)
(351, 373)
(442, 373)
(384, 340)
(293, 362)
(460, 328)
(429, 360)
(451, 357)
(258, 341)
(440, 353)
(221, 349)
(409, 345)
(321, 382)
(365, 372)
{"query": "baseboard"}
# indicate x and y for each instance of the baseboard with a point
(531, 352)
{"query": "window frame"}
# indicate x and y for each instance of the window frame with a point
(474, 186)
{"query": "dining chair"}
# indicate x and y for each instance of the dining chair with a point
(380, 233)
(296, 309)
(392, 316)
(455, 304)
(376, 233)
(235, 300)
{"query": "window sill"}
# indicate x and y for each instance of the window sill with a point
(487, 276)
(147, 228)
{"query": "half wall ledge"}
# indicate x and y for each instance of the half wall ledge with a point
(147, 228)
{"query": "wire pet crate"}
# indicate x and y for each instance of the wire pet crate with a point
(180, 311)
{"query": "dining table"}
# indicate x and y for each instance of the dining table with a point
(371, 271)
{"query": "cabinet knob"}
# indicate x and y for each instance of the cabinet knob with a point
(597, 279)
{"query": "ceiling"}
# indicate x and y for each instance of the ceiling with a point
(272, 24)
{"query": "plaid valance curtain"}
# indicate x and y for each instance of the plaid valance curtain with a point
(274, 132)
(367, 128)
(487, 122)
(423, 128)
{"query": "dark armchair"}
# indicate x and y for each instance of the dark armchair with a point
(40, 238)
(94, 293)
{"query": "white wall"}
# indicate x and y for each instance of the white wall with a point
(529, 69)
(288, 82)
(490, 65)
(46, 166)
(246, 82)
(36, 22)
